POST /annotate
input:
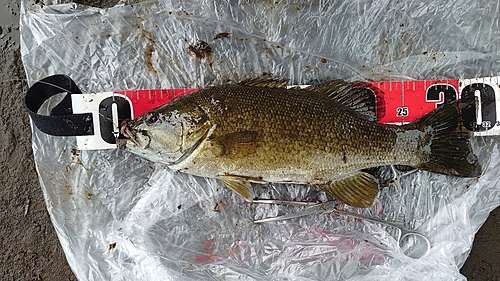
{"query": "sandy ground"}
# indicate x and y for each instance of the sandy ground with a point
(30, 249)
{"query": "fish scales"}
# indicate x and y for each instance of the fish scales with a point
(301, 134)
(259, 131)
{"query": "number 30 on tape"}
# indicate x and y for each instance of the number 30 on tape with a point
(405, 101)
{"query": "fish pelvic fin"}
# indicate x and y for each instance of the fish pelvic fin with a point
(359, 190)
(357, 96)
(450, 149)
(240, 185)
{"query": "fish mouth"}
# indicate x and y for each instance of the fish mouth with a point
(123, 130)
(137, 137)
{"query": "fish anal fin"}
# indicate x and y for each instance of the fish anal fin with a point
(240, 185)
(265, 83)
(241, 143)
(361, 98)
(359, 190)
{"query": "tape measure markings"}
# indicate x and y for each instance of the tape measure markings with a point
(405, 101)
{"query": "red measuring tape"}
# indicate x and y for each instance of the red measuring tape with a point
(405, 101)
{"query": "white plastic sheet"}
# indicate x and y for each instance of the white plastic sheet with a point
(119, 217)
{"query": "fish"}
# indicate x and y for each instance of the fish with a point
(325, 135)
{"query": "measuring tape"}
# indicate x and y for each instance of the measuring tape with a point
(95, 118)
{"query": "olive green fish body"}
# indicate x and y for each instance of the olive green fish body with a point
(280, 135)
(261, 132)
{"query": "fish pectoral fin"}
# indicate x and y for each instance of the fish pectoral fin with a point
(356, 96)
(359, 190)
(241, 143)
(265, 83)
(240, 185)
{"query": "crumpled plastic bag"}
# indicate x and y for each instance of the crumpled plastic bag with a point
(120, 217)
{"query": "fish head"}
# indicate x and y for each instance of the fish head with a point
(167, 134)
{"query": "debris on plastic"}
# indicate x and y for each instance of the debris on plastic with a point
(120, 217)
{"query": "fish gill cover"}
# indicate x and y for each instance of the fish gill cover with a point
(120, 217)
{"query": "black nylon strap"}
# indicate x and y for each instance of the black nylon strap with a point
(61, 121)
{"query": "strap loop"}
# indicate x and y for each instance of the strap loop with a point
(61, 121)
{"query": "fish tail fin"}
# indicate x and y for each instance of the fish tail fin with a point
(450, 150)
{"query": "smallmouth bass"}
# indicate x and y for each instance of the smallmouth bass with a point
(325, 135)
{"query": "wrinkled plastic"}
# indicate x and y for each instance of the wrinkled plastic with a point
(120, 217)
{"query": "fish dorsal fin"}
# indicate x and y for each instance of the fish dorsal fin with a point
(265, 83)
(357, 96)
(359, 190)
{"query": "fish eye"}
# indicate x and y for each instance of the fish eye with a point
(150, 118)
